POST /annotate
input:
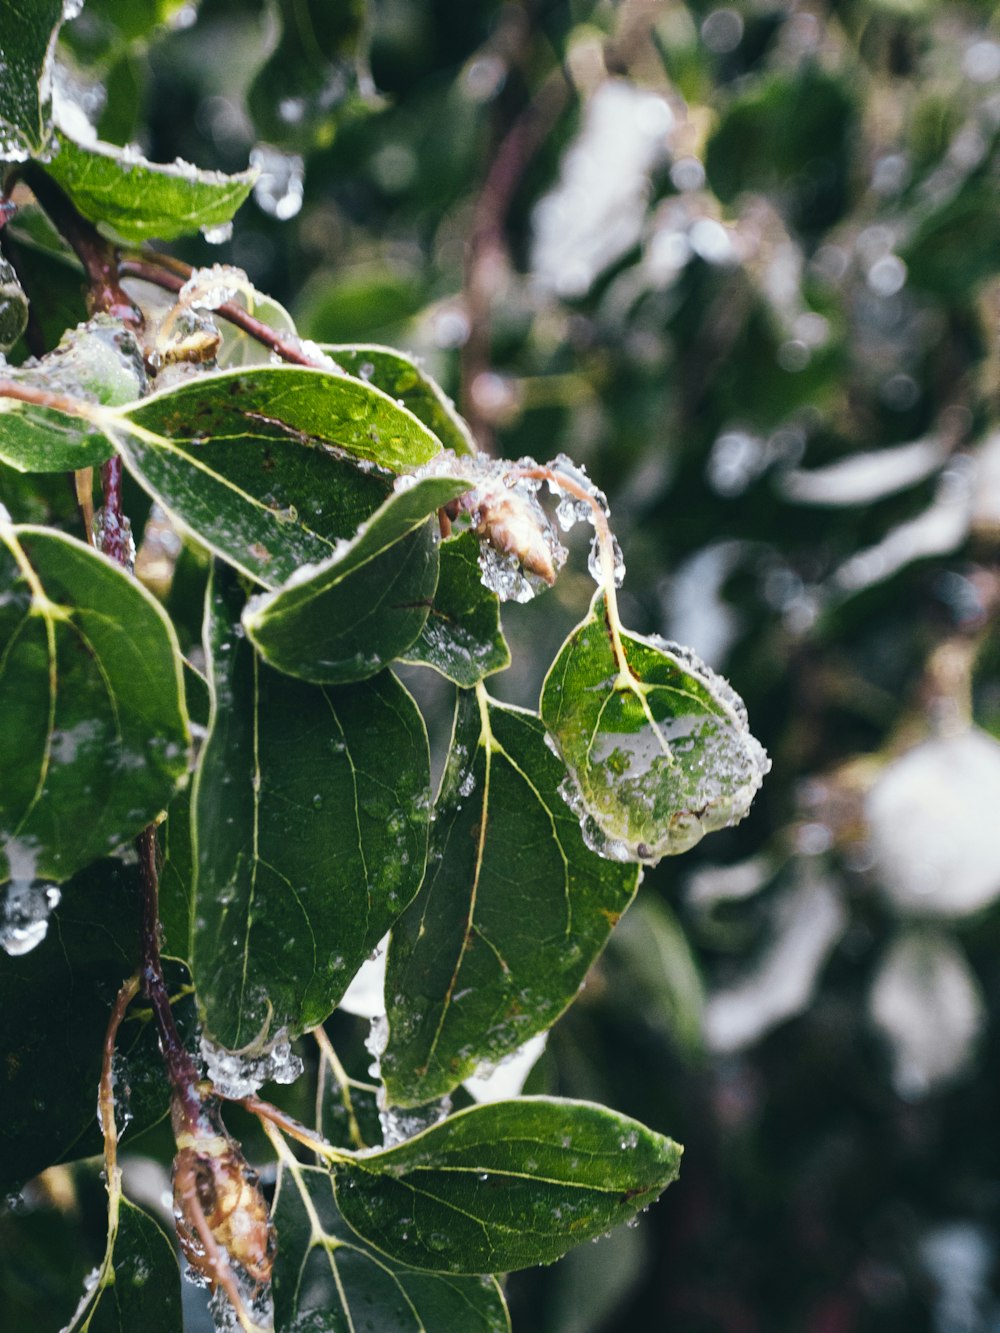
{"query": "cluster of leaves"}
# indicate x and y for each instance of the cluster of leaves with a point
(312, 496)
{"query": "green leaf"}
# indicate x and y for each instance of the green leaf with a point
(505, 1186)
(99, 362)
(462, 637)
(401, 377)
(29, 29)
(326, 1279)
(357, 611)
(310, 825)
(144, 1277)
(139, 200)
(55, 1001)
(513, 912)
(95, 736)
(660, 754)
(259, 463)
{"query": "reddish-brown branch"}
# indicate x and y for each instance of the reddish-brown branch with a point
(170, 274)
(181, 1069)
(98, 256)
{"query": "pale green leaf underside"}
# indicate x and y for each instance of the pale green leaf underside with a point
(140, 200)
(660, 756)
(95, 734)
(513, 912)
(327, 1279)
(354, 613)
(505, 1186)
(310, 826)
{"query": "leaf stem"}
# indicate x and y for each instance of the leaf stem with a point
(170, 274)
(98, 256)
(328, 1056)
(268, 1114)
(181, 1069)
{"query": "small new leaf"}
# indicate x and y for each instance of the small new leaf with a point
(658, 747)
(506, 1185)
(462, 637)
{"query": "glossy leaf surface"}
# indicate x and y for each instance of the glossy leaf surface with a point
(139, 200)
(462, 637)
(660, 754)
(513, 912)
(29, 30)
(505, 1186)
(258, 463)
(327, 1279)
(403, 378)
(95, 739)
(310, 826)
(359, 610)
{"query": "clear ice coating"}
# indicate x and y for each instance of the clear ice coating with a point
(653, 768)
(399, 1125)
(208, 288)
(27, 906)
(109, 530)
(236, 1074)
(219, 234)
(258, 1305)
(278, 190)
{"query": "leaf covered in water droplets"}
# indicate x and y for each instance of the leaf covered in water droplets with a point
(351, 615)
(401, 377)
(139, 200)
(505, 1186)
(95, 734)
(310, 819)
(659, 750)
(29, 29)
(324, 1273)
(270, 467)
(513, 912)
(462, 637)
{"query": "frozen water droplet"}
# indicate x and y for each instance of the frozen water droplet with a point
(278, 189)
(218, 234)
(399, 1125)
(208, 288)
(237, 1074)
(26, 907)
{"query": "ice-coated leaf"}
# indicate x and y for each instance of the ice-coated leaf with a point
(660, 753)
(462, 637)
(97, 362)
(402, 378)
(260, 463)
(139, 200)
(310, 824)
(505, 1186)
(327, 1279)
(55, 1001)
(351, 615)
(28, 30)
(513, 912)
(95, 734)
(145, 1277)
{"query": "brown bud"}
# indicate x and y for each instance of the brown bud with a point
(506, 521)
